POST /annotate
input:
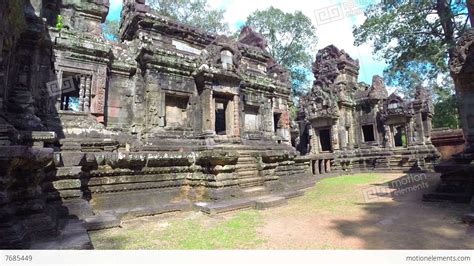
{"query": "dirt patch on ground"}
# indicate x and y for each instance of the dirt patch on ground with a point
(389, 221)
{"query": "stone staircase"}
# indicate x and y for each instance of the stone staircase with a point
(249, 176)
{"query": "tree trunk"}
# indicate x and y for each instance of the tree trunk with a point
(446, 18)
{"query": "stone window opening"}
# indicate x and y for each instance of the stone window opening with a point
(400, 136)
(176, 108)
(227, 59)
(368, 132)
(75, 92)
(325, 139)
(393, 105)
(251, 118)
(366, 108)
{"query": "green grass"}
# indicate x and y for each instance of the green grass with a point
(336, 195)
(237, 233)
(239, 230)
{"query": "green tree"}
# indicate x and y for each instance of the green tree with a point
(193, 12)
(446, 113)
(291, 41)
(110, 29)
(445, 104)
(414, 37)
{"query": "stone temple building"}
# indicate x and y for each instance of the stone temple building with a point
(349, 126)
(172, 118)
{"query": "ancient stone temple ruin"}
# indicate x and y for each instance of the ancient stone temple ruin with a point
(171, 118)
(349, 126)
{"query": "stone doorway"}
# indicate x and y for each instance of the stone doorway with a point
(224, 114)
(368, 131)
(276, 120)
(220, 122)
(325, 139)
(400, 136)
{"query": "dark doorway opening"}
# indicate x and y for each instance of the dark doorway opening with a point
(276, 120)
(325, 139)
(368, 131)
(220, 123)
(400, 137)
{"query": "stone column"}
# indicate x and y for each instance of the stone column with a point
(87, 96)
(315, 164)
(389, 136)
(82, 91)
(335, 137)
(343, 137)
(409, 132)
(236, 114)
(230, 118)
(207, 103)
(322, 166)
(59, 78)
(315, 141)
(427, 126)
(419, 128)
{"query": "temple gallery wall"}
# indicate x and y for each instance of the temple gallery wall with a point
(172, 118)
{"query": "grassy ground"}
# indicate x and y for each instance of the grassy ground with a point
(185, 231)
(331, 215)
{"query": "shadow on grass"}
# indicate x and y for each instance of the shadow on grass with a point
(395, 217)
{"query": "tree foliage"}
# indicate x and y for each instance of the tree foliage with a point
(445, 104)
(291, 41)
(193, 12)
(414, 37)
(446, 113)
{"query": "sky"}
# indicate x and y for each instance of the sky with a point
(334, 20)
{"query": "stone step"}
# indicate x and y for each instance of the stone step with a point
(248, 173)
(224, 206)
(453, 197)
(250, 185)
(246, 166)
(251, 180)
(101, 221)
(257, 202)
(292, 194)
(254, 191)
(246, 160)
(269, 202)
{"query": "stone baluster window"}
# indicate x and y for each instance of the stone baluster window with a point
(226, 59)
(76, 92)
